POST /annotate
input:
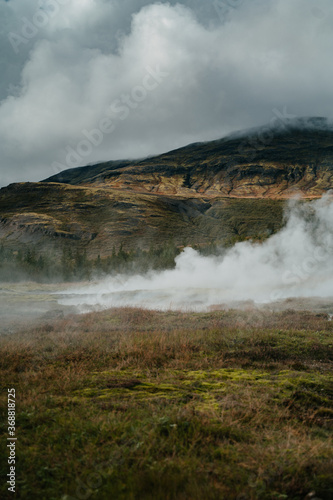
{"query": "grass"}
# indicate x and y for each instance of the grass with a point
(135, 404)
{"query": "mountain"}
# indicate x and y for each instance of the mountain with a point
(273, 162)
(221, 190)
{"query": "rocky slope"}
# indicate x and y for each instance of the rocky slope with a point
(271, 163)
(230, 188)
(51, 215)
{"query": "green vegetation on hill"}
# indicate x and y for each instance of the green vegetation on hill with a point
(134, 404)
(91, 221)
(75, 266)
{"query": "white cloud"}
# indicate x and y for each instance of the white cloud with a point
(224, 74)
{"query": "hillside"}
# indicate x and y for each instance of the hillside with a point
(271, 163)
(219, 191)
(51, 215)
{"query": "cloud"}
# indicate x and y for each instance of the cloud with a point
(229, 64)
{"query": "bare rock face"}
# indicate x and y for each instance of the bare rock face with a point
(233, 187)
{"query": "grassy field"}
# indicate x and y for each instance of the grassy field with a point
(135, 404)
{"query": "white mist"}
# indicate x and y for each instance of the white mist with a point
(296, 262)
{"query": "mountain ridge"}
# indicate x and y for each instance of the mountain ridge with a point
(271, 162)
(211, 192)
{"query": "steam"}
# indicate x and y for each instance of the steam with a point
(295, 262)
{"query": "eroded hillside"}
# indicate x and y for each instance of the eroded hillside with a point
(220, 191)
(51, 215)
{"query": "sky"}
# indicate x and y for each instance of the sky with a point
(85, 81)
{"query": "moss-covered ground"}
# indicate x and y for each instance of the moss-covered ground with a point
(135, 404)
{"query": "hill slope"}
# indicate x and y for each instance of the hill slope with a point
(216, 191)
(273, 163)
(52, 215)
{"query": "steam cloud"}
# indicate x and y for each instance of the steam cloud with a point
(295, 262)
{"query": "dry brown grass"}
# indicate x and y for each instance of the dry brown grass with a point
(235, 404)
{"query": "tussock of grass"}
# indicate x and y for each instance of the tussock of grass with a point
(135, 404)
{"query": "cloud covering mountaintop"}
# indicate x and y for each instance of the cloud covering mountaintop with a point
(103, 79)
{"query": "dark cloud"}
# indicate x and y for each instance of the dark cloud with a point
(92, 80)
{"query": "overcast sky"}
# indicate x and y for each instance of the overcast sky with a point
(84, 81)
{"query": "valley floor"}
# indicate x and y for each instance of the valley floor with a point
(137, 404)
